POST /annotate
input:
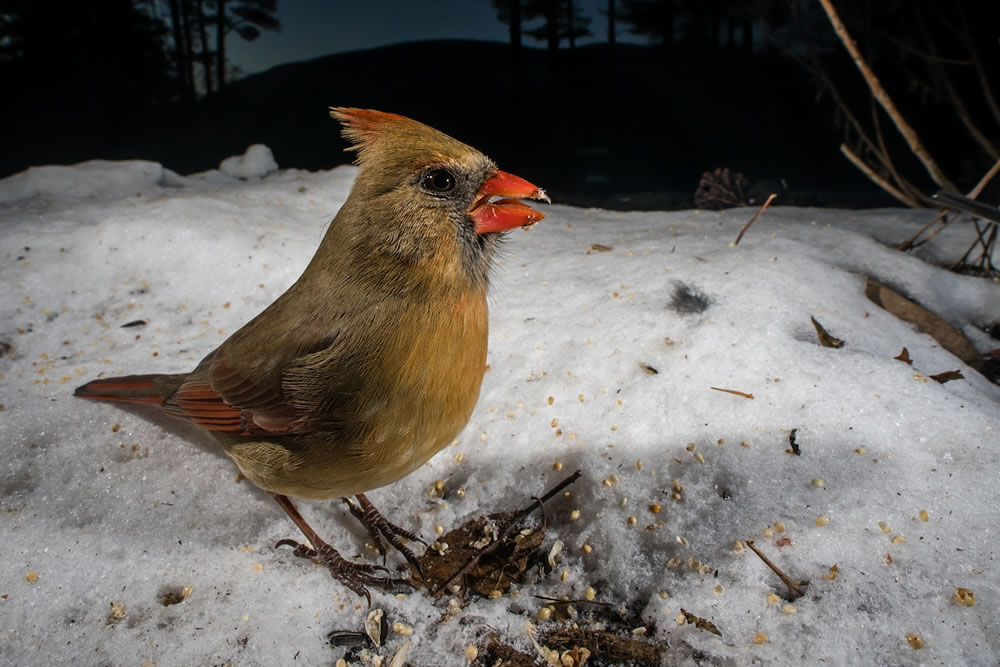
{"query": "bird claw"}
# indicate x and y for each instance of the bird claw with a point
(300, 550)
(356, 576)
(379, 527)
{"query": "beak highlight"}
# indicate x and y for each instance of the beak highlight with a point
(507, 212)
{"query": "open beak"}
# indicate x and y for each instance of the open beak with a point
(506, 212)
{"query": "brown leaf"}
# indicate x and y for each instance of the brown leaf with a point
(825, 339)
(948, 375)
(904, 356)
(950, 338)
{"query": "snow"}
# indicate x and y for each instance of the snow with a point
(104, 508)
(257, 162)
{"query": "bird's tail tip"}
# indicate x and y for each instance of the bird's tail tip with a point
(143, 389)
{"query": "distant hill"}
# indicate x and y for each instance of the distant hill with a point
(577, 123)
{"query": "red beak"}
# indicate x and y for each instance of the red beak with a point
(506, 213)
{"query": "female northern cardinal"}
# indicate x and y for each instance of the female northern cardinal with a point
(371, 362)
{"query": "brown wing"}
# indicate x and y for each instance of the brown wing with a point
(217, 397)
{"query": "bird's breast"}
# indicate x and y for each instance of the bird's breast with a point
(433, 381)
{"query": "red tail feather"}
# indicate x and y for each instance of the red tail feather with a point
(145, 389)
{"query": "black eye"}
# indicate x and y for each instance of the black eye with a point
(439, 180)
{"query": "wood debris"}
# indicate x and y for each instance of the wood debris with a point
(734, 392)
(700, 623)
(603, 646)
(487, 554)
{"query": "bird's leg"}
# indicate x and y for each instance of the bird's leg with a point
(378, 527)
(356, 576)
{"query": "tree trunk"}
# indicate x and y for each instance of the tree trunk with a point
(570, 24)
(612, 5)
(220, 44)
(612, 37)
(668, 24)
(552, 25)
(205, 57)
(182, 70)
(188, 50)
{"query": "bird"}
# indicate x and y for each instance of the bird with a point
(372, 361)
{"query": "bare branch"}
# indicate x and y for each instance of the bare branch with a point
(984, 83)
(941, 73)
(904, 185)
(876, 179)
(909, 134)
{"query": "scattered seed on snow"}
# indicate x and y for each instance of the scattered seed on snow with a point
(557, 547)
(401, 628)
(965, 597)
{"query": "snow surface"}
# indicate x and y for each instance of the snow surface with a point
(104, 510)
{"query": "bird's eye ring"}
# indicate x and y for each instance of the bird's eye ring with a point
(439, 180)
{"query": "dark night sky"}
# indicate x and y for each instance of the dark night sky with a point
(310, 29)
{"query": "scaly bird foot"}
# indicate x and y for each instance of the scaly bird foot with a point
(356, 576)
(379, 527)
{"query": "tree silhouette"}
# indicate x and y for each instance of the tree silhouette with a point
(193, 23)
(509, 13)
(244, 17)
(562, 20)
(90, 56)
(654, 19)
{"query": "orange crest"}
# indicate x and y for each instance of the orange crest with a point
(361, 126)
